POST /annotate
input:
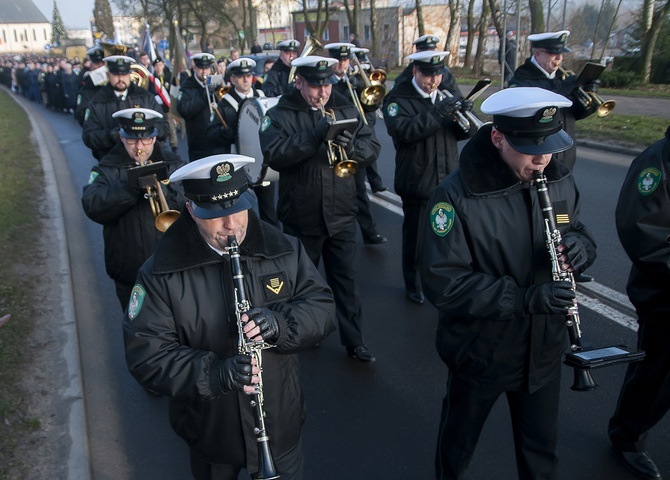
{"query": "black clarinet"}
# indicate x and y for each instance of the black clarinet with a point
(266, 465)
(583, 381)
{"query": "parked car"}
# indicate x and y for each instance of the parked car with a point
(268, 46)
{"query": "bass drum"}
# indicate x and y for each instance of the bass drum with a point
(249, 143)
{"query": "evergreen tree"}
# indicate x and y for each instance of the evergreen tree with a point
(104, 23)
(58, 31)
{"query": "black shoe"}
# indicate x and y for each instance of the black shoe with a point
(375, 239)
(583, 278)
(641, 464)
(379, 189)
(416, 297)
(361, 353)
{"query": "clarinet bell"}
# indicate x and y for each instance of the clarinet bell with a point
(583, 381)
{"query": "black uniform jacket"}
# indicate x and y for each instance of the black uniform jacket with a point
(643, 224)
(187, 320)
(87, 91)
(193, 107)
(529, 75)
(100, 131)
(219, 137)
(312, 199)
(478, 272)
(276, 83)
(128, 222)
(425, 143)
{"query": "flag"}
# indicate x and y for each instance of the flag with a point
(179, 63)
(148, 44)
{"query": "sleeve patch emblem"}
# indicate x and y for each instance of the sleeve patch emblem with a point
(648, 181)
(442, 218)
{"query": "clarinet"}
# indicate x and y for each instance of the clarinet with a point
(583, 380)
(266, 466)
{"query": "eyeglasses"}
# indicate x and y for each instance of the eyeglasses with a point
(143, 141)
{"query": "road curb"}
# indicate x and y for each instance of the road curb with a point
(632, 151)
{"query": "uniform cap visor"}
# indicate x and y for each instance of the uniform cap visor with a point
(555, 143)
(131, 135)
(208, 211)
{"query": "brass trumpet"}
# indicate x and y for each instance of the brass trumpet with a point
(589, 99)
(373, 94)
(337, 157)
(163, 215)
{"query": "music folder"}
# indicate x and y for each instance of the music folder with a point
(590, 72)
(340, 126)
(600, 357)
(159, 169)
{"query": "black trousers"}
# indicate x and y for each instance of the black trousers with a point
(414, 214)
(339, 259)
(374, 179)
(534, 423)
(289, 466)
(123, 291)
(266, 204)
(364, 216)
(645, 395)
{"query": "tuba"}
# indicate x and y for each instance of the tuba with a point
(163, 216)
(139, 75)
(311, 44)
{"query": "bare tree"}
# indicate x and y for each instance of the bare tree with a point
(470, 20)
(452, 42)
(653, 20)
(482, 27)
(536, 16)
(419, 18)
(321, 18)
(373, 28)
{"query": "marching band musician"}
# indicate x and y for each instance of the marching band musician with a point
(163, 78)
(541, 70)
(502, 317)
(422, 123)
(129, 231)
(193, 105)
(342, 53)
(89, 86)
(276, 83)
(315, 204)
(100, 131)
(221, 137)
(181, 330)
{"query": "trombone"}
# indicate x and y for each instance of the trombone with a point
(311, 44)
(589, 99)
(337, 157)
(163, 215)
(374, 92)
(213, 99)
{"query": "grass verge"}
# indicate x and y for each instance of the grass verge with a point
(21, 189)
(631, 130)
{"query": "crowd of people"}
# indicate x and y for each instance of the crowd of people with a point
(233, 248)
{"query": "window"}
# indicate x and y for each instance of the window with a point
(326, 35)
(345, 31)
(45, 34)
(387, 28)
(367, 32)
(34, 35)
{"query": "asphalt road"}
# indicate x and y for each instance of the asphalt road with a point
(374, 421)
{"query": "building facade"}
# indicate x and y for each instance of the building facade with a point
(23, 28)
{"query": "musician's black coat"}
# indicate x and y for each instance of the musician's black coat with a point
(312, 199)
(187, 320)
(193, 106)
(478, 273)
(276, 83)
(219, 137)
(87, 91)
(530, 75)
(128, 223)
(425, 143)
(100, 131)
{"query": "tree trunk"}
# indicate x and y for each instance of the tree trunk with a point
(467, 60)
(536, 16)
(374, 50)
(478, 67)
(419, 18)
(650, 38)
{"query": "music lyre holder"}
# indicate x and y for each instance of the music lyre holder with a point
(602, 357)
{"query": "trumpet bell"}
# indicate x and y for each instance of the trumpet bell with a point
(606, 108)
(346, 168)
(377, 76)
(165, 219)
(373, 95)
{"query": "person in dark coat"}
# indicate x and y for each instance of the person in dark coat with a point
(509, 57)
(502, 317)
(276, 83)
(316, 204)
(92, 81)
(643, 222)
(100, 131)
(349, 86)
(541, 69)
(51, 87)
(424, 126)
(193, 106)
(69, 84)
(190, 308)
(223, 137)
(256, 48)
(116, 201)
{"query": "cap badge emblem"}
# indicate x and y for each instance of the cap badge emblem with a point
(548, 115)
(223, 172)
(322, 65)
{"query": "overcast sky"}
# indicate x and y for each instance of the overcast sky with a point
(75, 13)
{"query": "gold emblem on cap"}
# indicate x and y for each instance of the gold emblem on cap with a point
(563, 37)
(138, 117)
(548, 115)
(322, 65)
(244, 64)
(435, 59)
(275, 285)
(223, 172)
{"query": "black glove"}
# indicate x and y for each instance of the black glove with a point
(321, 129)
(592, 87)
(266, 321)
(447, 107)
(346, 141)
(467, 105)
(226, 133)
(550, 297)
(115, 135)
(576, 253)
(233, 373)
